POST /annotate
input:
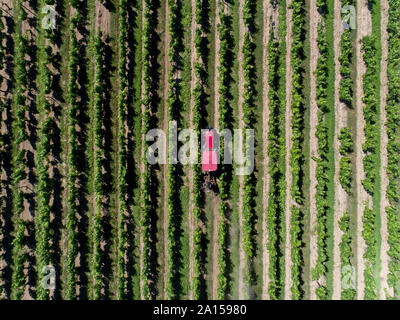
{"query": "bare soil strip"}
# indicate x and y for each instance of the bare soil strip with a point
(364, 27)
(288, 130)
(8, 6)
(165, 128)
(313, 144)
(340, 122)
(266, 177)
(102, 19)
(384, 158)
(216, 216)
(190, 173)
(5, 180)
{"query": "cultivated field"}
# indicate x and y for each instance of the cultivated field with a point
(85, 215)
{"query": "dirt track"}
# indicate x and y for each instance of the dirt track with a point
(314, 18)
(340, 122)
(102, 18)
(5, 180)
(364, 26)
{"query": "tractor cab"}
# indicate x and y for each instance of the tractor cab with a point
(209, 154)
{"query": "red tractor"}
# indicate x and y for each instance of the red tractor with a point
(209, 155)
(209, 160)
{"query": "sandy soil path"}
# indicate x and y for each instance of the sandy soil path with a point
(5, 92)
(165, 128)
(266, 29)
(7, 5)
(242, 258)
(193, 57)
(340, 122)
(102, 19)
(364, 26)
(7, 12)
(288, 135)
(314, 18)
(5, 180)
(384, 158)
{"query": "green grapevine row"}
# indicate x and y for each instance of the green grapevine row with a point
(175, 30)
(249, 108)
(98, 166)
(20, 161)
(122, 151)
(2, 154)
(44, 188)
(346, 148)
(345, 59)
(368, 235)
(149, 104)
(225, 109)
(200, 101)
(296, 152)
(102, 171)
(345, 256)
(75, 181)
(297, 53)
(393, 147)
(370, 99)
(322, 160)
(371, 150)
(276, 155)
